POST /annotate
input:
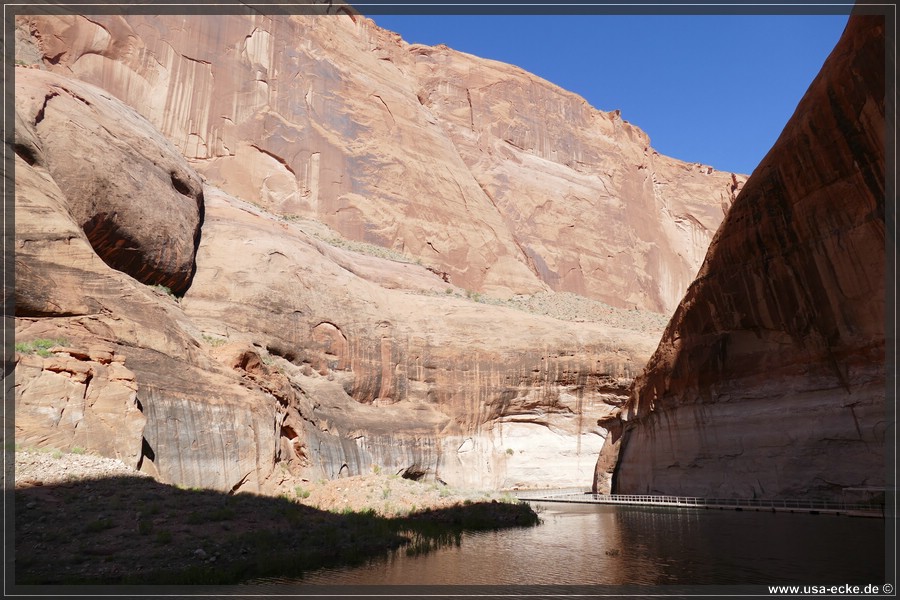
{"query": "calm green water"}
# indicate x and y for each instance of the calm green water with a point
(580, 544)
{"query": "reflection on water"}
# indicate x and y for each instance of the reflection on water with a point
(580, 544)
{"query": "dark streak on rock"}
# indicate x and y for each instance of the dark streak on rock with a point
(25, 153)
(283, 162)
(40, 114)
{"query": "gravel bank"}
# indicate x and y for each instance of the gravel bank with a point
(386, 495)
(48, 467)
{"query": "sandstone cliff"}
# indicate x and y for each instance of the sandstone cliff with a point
(230, 159)
(478, 169)
(287, 357)
(770, 378)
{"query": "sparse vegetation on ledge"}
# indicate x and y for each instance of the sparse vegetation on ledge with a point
(39, 346)
(387, 495)
(323, 233)
(567, 306)
(164, 290)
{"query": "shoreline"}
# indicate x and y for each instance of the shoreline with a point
(85, 519)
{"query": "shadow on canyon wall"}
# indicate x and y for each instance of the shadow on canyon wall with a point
(135, 530)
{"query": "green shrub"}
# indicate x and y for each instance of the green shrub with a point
(40, 346)
(162, 290)
(301, 492)
(145, 526)
(98, 525)
(164, 537)
(213, 341)
(221, 514)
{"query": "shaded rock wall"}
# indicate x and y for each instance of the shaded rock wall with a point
(770, 378)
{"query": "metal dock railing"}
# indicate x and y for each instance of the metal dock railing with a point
(754, 504)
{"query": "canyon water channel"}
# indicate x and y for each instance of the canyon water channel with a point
(585, 544)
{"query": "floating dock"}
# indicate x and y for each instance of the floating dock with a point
(750, 504)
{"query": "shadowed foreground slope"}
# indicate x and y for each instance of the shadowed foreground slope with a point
(130, 530)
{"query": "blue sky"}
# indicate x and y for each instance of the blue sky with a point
(706, 88)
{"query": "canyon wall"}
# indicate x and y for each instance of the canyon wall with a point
(770, 378)
(287, 357)
(276, 248)
(479, 170)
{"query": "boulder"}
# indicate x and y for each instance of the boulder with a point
(132, 194)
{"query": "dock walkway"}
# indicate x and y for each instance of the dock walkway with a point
(752, 504)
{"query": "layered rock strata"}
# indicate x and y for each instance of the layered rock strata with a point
(770, 378)
(184, 236)
(287, 358)
(477, 169)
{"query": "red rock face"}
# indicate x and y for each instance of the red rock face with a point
(129, 190)
(287, 355)
(770, 378)
(476, 168)
(336, 361)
